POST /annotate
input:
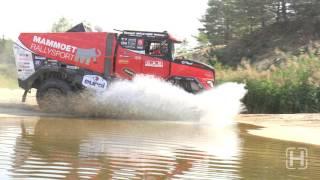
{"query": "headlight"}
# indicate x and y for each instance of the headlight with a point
(210, 83)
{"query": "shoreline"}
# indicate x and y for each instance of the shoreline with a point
(302, 128)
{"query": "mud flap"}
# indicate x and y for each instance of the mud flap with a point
(24, 96)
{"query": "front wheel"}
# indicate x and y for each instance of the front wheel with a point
(52, 95)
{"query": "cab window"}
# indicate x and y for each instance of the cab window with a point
(155, 48)
(158, 49)
(133, 43)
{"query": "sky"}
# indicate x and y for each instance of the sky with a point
(178, 17)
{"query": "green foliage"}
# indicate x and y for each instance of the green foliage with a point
(202, 38)
(306, 8)
(229, 20)
(62, 25)
(293, 87)
(6, 52)
(8, 74)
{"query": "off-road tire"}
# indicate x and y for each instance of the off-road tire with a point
(52, 95)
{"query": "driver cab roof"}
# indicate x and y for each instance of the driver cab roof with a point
(151, 35)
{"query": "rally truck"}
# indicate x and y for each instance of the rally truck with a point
(56, 64)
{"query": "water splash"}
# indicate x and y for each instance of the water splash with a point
(147, 97)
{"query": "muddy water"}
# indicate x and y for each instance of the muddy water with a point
(52, 148)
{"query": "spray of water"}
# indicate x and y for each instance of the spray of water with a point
(147, 97)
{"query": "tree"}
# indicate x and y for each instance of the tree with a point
(227, 20)
(202, 38)
(306, 8)
(219, 21)
(62, 25)
(252, 15)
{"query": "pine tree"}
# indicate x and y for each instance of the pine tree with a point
(227, 20)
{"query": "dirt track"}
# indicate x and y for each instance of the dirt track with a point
(292, 127)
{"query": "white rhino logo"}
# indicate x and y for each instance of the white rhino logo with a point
(85, 55)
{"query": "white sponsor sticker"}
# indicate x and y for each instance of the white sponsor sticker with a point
(54, 44)
(94, 82)
(40, 57)
(154, 63)
(186, 63)
(24, 62)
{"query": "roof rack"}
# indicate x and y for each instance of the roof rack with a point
(146, 34)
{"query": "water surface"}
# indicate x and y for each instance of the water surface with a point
(57, 148)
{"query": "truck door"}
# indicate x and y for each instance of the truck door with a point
(155, 62)
(128, 63)
(156, 66)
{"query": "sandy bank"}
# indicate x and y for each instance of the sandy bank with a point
(304, 128)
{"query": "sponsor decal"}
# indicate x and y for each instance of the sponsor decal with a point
(123, 61)
(24, 62)
(186, 63)
(64, 51)
(72, 67)
(124, 41)
(129, 72)
(37, 62)
(86, 55)
(148, 34)
(52, 61)
(53, 48)
(124, 56)
(39, 57)
(54, 44)
(153, 63)
(94, 82)
(138, 51)
(140, 44)
(132, 43)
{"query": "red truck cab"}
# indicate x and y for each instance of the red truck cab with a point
(153, 53)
